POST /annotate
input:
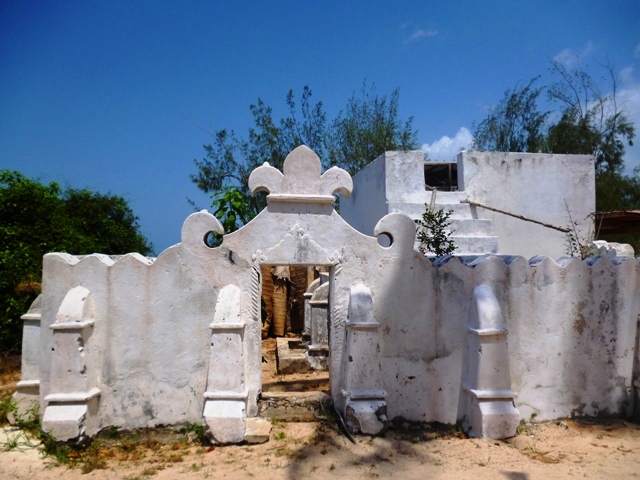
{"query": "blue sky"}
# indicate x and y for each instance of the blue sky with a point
(109, 95)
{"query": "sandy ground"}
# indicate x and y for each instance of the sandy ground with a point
(557, 450)
(272, 381)
(568, 449)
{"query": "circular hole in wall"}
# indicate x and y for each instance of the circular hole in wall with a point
(385, 240)
(212, 239)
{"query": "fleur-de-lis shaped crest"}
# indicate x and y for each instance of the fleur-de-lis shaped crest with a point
(301, 180)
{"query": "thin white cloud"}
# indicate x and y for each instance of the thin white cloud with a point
(446, 148)
(626, 75)
(568, 57)
(628, 98)
(637, 51)
(418, 34)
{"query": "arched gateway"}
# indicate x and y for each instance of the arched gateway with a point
(298, 227)
(179, 338)
(137, 342)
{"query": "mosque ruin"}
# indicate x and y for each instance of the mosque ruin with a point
(486, 338)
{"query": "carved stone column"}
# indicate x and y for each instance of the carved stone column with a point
(318, 350)
(226, 396)
(27, 394)
(489, 409)
(306, 331)
(365, 399)
(72, 403)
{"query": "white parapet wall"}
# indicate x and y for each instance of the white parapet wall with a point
(542, 187)
(152, 325)
(545, 188)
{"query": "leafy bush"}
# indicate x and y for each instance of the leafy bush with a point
(36, 219)
(433, 232)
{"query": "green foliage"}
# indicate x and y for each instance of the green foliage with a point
(433, 232)
(231, 208)
(230, 159)
(367, 127)
(515, 124)
(615, 192)
(28, 422)
(7, 407)
(54, 448)
(198, 430)
(576, 245)
(36, 219)
(591, 122)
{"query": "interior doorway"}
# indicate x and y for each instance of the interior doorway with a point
(295, 328)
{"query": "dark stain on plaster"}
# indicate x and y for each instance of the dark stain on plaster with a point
(147, 409)
(579, 324)
(578, 411)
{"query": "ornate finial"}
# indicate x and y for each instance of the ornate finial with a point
(301, 181)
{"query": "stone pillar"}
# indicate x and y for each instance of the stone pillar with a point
(306, 331)
(636, 376)
(365, 399)
(27, 396)
(226, 395)
(72, 404)
(489, 410)
(318, 349)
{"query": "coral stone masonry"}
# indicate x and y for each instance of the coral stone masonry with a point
(484, 340)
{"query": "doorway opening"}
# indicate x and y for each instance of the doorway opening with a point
(295, 322)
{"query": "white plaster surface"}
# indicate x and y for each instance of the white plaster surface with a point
(487, 406)
(572, 324)
(533, 185)
(65, 421)
(394, 183)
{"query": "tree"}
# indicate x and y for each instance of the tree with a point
(515, 124)
(36, 219)
(367, 127)
(592, 122)
(230, 160)
(615, 192)
(433, 232)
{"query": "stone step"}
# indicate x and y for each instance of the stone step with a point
(447, 197)
(294, 406)
(473, 245)
(415, 210)
(475, 227)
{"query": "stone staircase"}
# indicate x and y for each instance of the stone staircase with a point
(471, 235)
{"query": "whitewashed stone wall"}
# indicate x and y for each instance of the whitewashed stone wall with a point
(148, 348)
(537, 186)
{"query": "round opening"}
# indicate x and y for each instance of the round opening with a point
(385, 240)
(212, 239)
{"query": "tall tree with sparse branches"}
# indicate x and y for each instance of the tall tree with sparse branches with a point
(515, 124)
(230, 159)
(592, 122)
(366, 128)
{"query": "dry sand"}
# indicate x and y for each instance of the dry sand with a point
(558, 450)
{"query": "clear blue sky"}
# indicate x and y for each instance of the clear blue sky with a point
(105, 95)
